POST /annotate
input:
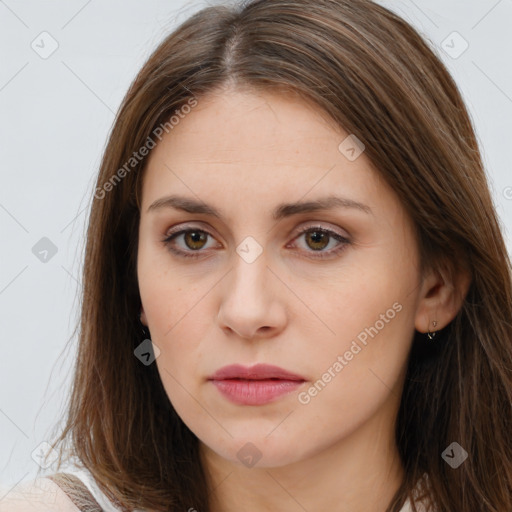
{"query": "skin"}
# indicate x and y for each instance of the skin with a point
(245, 152)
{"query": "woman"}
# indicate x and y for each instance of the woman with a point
(292, 208)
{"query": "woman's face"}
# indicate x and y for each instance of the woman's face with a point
(330, 295)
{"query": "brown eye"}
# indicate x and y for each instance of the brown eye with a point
(188, 243)
(195, 239)
(317, 240)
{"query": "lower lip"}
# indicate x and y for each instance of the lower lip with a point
(255, 392)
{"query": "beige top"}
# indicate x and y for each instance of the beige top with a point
(40, 495)
(44, 495)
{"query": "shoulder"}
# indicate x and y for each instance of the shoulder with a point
(421, 497)
(39, 495)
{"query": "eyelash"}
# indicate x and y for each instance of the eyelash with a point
(319, 255)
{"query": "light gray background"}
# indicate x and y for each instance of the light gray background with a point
(55, 115)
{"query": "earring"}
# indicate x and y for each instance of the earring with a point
(432, 335)
(145, 330)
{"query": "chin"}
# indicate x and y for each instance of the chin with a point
(259, 450)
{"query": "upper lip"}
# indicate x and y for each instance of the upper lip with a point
(256, 372)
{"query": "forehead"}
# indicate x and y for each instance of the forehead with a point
(255, 149)
(266, 123)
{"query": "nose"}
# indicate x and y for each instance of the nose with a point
(251, 303)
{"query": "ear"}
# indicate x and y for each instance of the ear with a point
(143, 319)
(443, 291)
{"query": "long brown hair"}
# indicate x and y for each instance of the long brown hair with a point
(371, 73)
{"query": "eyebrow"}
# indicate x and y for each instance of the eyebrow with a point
(283, 210)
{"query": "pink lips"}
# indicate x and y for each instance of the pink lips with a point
(255, 385)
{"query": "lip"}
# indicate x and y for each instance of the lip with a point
(255, 385)
(255, 372)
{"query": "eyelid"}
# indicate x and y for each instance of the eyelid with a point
(180, 228)
(320, 227)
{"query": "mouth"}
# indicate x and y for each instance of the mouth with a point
(256, 385)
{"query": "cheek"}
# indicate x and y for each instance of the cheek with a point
(355, 297)
(369, 309)
(178, 320)
(360, 368)
(166, 293)
(181, 332)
